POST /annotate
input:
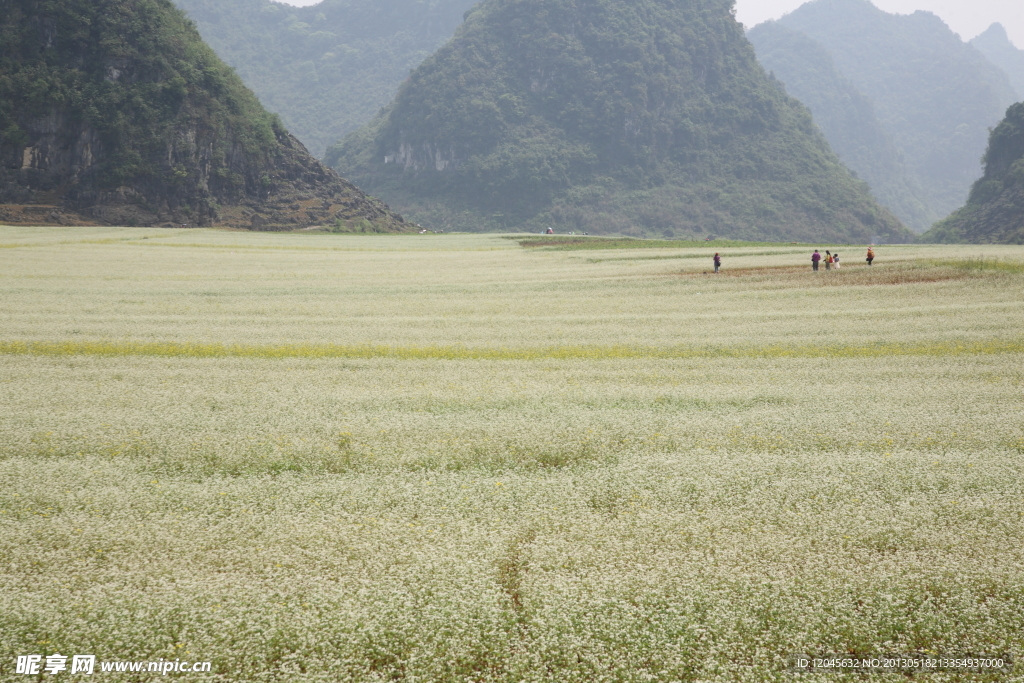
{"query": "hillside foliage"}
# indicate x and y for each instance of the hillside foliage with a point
(994, 212)
(846, 117)
(936, 96)
(118, 111)
(647, 117)
(133, 71)
(329, 68)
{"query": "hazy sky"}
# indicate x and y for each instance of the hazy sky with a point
(966, 17)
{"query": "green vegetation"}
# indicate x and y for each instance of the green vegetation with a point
(357, 458)
(130, 74)
(981, 264)
(326, 69)
(994, 212)
(996, 46)
(935, 95)
(846, 117)
(358, 225)
(117, 109)
(640, 118)
(577, 243)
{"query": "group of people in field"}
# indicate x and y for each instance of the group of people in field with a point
(831, 260)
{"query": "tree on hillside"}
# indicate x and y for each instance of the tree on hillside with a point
(994, 212)
(846, 116)
(118, 110)
(936, 95)
(642, 117)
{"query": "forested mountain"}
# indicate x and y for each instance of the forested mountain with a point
(846, 117)
(638, 116)
(994, 212)
(117, 110)
(996, 45)
(935, 95)
(326, 69)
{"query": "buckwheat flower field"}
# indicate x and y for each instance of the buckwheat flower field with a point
(455, 458)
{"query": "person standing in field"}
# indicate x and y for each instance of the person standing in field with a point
(871, 256)
(718, 261)
(835, 260)
(828, 260)
(815, 258)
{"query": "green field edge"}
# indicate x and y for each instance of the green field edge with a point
(327, 351)
(599, 242)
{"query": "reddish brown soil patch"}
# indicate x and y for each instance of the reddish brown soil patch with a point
(847, 276)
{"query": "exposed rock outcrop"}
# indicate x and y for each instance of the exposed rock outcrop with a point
(129, 119)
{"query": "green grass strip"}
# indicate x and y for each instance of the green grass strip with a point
(201, 350)
(581, 243)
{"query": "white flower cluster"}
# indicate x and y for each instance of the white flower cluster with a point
(605, 519)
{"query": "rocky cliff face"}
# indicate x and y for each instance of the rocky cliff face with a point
(128, 118)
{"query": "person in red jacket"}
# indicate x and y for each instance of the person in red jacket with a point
(718, 261)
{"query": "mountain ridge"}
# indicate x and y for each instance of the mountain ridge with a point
(936, 95)
(995, 44)
(639, 118)
(994, 212)
(846, 117)
(116, 110)
(328, 68)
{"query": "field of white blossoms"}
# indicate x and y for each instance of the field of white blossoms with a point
(457, 458)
